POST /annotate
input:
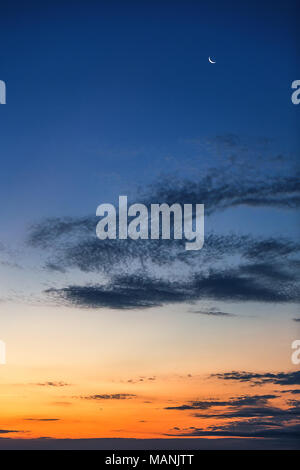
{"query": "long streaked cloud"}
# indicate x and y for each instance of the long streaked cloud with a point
(126, 292)
(7, 431)
(108, 396)
(280, 378)
(141, 380)
(254, 407)
(244, 429)
(270, 412)
(251, 416)
(51, 383)
(42, 419)
(241, 283)
(245, 400)
(219, 191)
(261, 256)
(213, 313)
(75, 245)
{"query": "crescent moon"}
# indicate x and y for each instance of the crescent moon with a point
(211, 61)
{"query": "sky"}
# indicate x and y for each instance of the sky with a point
(141, 339)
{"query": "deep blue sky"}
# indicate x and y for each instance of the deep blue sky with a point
(100, 93)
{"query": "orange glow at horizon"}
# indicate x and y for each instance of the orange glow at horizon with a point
(75, 375)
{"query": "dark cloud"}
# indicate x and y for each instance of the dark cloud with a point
(47, 232)
(73, 243)
(42, 419)
(229, 267)
(6, 431)
(245, 429)
(296, 319)
(280, 414)
(220, 190)
(141, 379)
(113, 396)
(213, 312)
(267, 271)
(250, 415)
(234, 285)
(217, 189)
(269, 249)
(90, 254)
(253, 416)
(280, 378)
(294, 403)
(143, 291)
(126, 292)
(246, 400)
(52, 384)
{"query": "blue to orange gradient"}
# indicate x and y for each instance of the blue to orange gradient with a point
(142, 339)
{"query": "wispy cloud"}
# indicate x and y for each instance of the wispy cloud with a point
(219, 191)
(141, 380)
(113, 396)
(131, 274)
(213, 312)
(74, 242)
(42, 419)
(52, 384)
